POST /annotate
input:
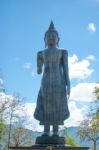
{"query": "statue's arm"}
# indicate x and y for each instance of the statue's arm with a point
(39, 62)
(66, 70)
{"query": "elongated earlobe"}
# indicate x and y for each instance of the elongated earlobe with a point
(45, 42)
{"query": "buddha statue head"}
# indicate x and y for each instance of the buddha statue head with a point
(51, 36)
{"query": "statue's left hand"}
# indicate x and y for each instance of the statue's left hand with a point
(68, 92)
(68, 97)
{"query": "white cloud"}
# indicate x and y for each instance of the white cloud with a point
(91, 27)
(91, 57)
(32, 123)
(30, 107)
(76, 115)
(80, 69)
(83, 92)
(4, 98)
(34, 73)
(27, 65)
(1, 81)
(1, 85)
(6, 104)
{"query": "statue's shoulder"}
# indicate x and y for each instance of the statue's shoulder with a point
(64, 51)
(41, 52)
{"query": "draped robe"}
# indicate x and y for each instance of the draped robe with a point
(52, 106)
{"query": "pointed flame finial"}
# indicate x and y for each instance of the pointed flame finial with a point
(50, 30)
(51, 27)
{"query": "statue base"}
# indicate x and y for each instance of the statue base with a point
(43, 147)
(50, 140)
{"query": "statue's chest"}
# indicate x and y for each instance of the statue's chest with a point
(52, 58)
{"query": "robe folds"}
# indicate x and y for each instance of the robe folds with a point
(52, 105)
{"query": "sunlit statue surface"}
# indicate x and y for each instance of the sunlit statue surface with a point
(52, 105)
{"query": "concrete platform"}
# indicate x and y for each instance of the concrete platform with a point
(49, 147)
(50, 140)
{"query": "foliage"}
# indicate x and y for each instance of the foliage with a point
(96, 91)
(19, 137)
(70, 141)
(9, 107)
(4, 100)
(96, 102)
(2, 126)
(3, 107)
(15, 107)
(89, 131)
(90, 126)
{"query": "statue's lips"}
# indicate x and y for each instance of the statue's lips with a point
(51, 41)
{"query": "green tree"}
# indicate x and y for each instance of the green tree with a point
(9, 107)
(2, 126)
(4, 105)
(15, 106)
(19, 135)
(69, 140)
(89, 128)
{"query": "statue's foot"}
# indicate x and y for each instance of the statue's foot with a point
(55, 134)
(45, 134)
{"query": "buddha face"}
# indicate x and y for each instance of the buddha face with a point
(51, 39)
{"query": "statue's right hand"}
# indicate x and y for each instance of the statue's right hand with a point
(39, 70)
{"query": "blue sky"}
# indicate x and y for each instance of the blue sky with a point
(22, 27)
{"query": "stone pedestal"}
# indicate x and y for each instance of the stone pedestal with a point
(50, 147)
(50, 140)
(49, 143)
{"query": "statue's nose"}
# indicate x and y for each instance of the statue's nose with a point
(50, 37)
